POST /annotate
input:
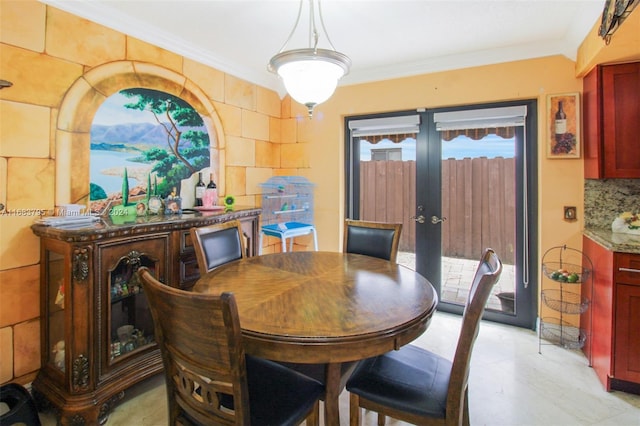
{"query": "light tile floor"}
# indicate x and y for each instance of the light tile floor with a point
(510, 384)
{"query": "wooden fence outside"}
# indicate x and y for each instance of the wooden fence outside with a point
(478, 200)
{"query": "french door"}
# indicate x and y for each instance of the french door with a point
(453, 204)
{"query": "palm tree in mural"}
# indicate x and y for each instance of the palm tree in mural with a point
(187, 145)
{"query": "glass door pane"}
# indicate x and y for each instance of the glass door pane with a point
(131, 325)
(388, 188)
(478, 201)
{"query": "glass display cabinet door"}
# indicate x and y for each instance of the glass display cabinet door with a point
(56, 284)
(130, 322)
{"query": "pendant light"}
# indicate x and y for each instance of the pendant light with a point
(310, 74)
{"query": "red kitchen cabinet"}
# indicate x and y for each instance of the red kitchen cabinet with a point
(611, 111)
(627, 344)
(599, 328)
(612, 332)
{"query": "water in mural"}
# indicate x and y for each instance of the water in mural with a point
(152, 137)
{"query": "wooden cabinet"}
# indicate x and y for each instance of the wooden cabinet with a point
(599, 328)
(626, 365)
(97, 335)
(612, 332)
(187, 264)
(611, 108)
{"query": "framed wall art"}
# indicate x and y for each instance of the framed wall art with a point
(563, 130)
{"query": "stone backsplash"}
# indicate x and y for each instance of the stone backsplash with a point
(605, 199)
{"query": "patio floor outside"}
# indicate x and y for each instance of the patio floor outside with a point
(457, 275)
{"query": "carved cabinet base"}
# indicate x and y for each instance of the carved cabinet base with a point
(86, 409)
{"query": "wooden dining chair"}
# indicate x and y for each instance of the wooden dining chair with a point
(209, 378)
(218, 244)
(418, 386)
(377, 239)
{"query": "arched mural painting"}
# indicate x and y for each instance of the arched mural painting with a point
(170, 101)
(144, 142)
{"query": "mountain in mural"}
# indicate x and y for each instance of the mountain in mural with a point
(131, 136)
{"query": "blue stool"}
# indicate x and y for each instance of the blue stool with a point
(22, 408)
(288, 230)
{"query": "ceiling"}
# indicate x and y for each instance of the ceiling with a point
(384, 38)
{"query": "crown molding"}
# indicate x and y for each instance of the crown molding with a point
(454, 62)
(102, 14)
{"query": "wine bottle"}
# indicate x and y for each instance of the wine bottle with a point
(211, 193)
(561, 121)
(200, 187)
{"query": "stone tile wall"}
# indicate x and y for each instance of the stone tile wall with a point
(56, 60)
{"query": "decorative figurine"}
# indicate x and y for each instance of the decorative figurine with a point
(58, 350)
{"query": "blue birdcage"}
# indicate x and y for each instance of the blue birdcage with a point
(287, 209)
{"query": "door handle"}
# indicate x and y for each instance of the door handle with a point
(419, 219)
(435, 219)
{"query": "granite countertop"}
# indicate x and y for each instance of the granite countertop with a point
(621, 243)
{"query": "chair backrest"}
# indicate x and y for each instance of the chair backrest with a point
(377, 239)
(487, 274)
(201, 345)
(218, 244)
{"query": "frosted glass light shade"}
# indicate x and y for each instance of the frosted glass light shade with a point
(310, 75)
(310, 81)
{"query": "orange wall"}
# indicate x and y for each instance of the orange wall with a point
(623, 47)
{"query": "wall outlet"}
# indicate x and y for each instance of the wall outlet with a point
(570, 213)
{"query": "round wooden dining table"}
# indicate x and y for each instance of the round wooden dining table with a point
(324, 308)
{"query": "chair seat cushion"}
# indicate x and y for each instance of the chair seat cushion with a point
(411, 379)
(278, 395)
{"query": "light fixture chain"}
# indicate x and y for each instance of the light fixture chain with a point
(313, 32)
(294, 28)
(310, 74)
(322, 24)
